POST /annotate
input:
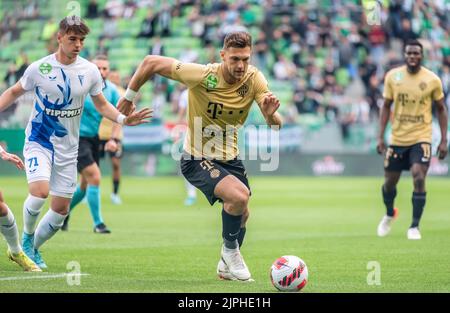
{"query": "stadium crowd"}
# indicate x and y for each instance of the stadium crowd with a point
(332, 57)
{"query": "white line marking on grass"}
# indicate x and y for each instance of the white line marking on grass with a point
(40, 276)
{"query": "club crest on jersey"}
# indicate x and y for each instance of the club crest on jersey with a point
(211, 81)
(423, 86)
(81, 78)
(45, 68)
(242, 91)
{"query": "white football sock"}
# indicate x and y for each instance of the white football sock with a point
(9, 230)
(47, 227)
(31, 209)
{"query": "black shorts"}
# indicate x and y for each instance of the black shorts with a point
(206, 174)
(118, 154)
(399, 158)
(88, 152)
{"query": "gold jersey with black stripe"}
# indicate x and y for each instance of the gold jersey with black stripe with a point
(413, 96)
(217, 109)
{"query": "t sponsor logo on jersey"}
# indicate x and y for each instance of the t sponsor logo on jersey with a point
(215, 109)
(45, 68)
(211, 82)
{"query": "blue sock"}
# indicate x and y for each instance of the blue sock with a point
(93, 198)
(77, 197)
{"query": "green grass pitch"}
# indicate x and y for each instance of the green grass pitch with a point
(159, 245)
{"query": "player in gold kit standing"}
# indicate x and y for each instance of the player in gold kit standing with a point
(412, 88)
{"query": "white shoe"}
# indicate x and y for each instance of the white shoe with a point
(115, 199)
(236, 265)
(223, 271)
(385, 225)
(414, 233)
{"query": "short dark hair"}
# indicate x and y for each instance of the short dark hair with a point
(100, 57)
(239, 39)
(414, 42)
(73, 24)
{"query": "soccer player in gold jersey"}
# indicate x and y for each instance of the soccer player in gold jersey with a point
(220, 97)
(412, 89)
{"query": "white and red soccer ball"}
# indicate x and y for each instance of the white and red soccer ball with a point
(289, 273)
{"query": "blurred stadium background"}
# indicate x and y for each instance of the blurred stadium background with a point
(326, 61)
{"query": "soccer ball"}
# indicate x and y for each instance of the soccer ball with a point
(289, 273)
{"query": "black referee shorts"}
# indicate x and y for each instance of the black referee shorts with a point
(88, 152)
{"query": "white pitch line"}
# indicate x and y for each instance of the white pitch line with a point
(62, 275)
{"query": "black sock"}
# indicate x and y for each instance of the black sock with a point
(418, 202)
(388, 198)
(116, 186)
(241, 236)
(230, 229)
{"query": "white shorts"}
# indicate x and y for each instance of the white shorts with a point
(39, 165)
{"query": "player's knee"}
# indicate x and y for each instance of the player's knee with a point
(3, 209)
(419, 181)
(95, 181)
(93, 178)
(240, 200)
(62, 211)
(1, 197)
(40, 193)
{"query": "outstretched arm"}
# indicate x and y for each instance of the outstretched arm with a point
(442, 116)
(10, 95)
(112, 143)
(12, 158)
(151, 65)
(384, 118)
(107, 110)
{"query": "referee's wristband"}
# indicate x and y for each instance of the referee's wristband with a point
(130, 94)
(120, 119)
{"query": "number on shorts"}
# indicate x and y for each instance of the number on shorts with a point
(426, 150)
(33, 162)
(389, 153)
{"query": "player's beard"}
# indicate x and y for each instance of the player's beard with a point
(414, 68)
